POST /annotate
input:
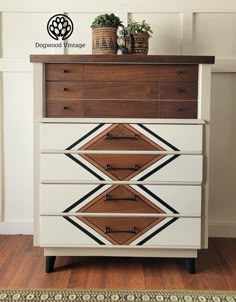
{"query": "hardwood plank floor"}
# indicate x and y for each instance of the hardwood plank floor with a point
(22, 266)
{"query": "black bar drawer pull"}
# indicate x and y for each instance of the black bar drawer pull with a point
(132, 231)
(110, 168)
(110, 198)
(64, 89)
(109, 136)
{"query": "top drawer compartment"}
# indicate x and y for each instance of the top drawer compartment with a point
(64, 72)
(150, 73)
(143, 137)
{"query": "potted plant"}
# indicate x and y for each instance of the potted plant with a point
(139, 34)
(104, 34)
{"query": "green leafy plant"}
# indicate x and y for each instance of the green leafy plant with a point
(134, 27)
(107, 20)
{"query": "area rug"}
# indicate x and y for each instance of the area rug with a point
(7, 295)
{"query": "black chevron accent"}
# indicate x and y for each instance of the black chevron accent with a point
(82, 199)
(158, 137)
(85, 136)
(84, 166)
(158, 199)
(159, 167)
(158, 231)
(84, 230)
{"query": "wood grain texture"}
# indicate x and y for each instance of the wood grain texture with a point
(112, 72)
(121, 90)
(102, 108)
(178, 91)
(22, 266)
(178, 109)
(141, 59)
(64, 72)
(179, 72)
(64, 90)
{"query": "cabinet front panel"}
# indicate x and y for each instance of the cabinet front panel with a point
(75, 167)
(64, 72)
(179, 72)
(64, 90)
(101, 198)
(102, 108)
(149, 137)
(121, 90)
(178, 109)
(72, 231)
(178, 91)
(109, 72)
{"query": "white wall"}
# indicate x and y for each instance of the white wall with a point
(202, 27)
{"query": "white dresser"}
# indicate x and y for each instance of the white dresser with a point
(121, 155)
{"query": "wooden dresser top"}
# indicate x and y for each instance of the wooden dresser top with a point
(119, 59)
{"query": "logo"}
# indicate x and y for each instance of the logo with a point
(60, 26)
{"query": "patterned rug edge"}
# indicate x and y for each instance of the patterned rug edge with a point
(94, 295)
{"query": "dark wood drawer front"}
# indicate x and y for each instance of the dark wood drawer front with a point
(118, 108)
(102, 108)
(121, 230)
(64, 72)
(65, 90)
(121, 199)
(121, 90)
(121, 72)
(179, 72)
(178, 91)
(64, 108)
(121, 137)
(121, 166)
(178, 109)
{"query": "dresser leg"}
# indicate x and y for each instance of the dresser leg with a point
(50, 261)
(190, 265)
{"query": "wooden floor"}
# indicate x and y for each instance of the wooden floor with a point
(22, 266)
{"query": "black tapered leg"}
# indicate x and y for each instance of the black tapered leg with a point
(190, 265)
(50, 261)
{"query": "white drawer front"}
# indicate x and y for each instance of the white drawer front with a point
(72, 198)
(75, 136)
(170, 232)
(181, 168)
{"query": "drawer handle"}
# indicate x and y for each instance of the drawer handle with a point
(110, 198)
(179, 72)
(110, 168)
(109, 136)
(64, 89)
(179, 109)
(64, 71)
(65, 108)
(132, 231)
(180, 90)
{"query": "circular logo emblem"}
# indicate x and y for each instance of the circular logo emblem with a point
(60, 26)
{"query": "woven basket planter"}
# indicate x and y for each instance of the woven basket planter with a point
(104, 40)
(139, 44)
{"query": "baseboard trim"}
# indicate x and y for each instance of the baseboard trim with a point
(16, 228)
(222, 229)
